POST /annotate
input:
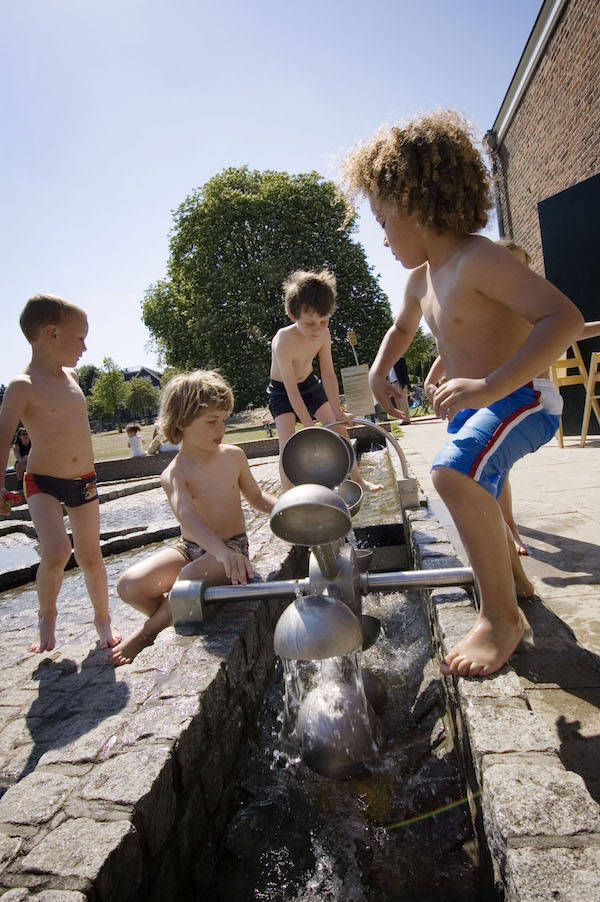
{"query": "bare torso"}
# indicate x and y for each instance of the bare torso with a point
(289, 344)
(213, 483)
(55, 415)
(475, 334)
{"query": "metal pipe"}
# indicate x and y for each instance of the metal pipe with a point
(386, 435)
(327, 561)
(415, 579)
(369, 582)
(275, 589)
(391, 439)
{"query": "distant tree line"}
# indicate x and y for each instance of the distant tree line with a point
(109, 394)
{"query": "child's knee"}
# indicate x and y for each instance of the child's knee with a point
(89, 558)
(128, 587)
(57, 554)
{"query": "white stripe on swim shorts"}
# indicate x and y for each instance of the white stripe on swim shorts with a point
(505, 431)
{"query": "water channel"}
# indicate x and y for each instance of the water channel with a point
(403, 831)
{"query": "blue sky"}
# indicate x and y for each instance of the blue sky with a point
(114, 112)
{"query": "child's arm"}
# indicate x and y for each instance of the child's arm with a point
(395, 342)
(556, 322)
(282, 353)
(330, 383)
(237, 567)
(13, 405)
(251, 490)
(436, 372)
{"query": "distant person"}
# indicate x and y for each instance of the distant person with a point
(204, 484)
(295, 392)
(21, 448)
(268, 426)
(159, 444)
(47, 398)
(497, 325)
(398, 378)
(134, 440)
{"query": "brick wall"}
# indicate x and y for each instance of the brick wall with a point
(552, 142)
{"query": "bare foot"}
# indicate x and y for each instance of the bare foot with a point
(519, 543)
(369, 486)
(129, 649)
(486, 647)
(524, 588)
(46, 639)
(109, 637)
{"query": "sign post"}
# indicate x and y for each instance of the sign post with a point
(357, 392)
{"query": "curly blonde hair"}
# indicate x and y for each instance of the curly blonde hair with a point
(186, 396)
(304, 290)
(430, 170)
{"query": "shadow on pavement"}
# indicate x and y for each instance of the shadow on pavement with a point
(71, 703)
(556, 658)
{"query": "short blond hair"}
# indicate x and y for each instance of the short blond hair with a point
(305, 290)
(45, 310)
(186, 396)
(430, 169)
(511, 245)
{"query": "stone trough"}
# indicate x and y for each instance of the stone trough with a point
(155, 781)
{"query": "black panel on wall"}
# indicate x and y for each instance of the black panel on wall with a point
(570, 228)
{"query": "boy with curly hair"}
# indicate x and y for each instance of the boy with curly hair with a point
(497, 325)
(295, 392)
(204, 484)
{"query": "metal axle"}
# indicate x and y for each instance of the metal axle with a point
(188, 597)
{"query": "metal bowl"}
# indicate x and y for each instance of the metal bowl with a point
(336, 728)
(310, 515)
(317, 627)
(352, 494)
(316, 455)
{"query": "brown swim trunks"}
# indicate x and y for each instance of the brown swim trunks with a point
(191, 551)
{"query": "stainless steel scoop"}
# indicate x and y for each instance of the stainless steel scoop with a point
(316, 455)
(316, 627)
(310, 515)
(352, 494)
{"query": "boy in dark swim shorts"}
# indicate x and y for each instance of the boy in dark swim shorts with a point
(60, 464)
(295, 392)
(204, 484)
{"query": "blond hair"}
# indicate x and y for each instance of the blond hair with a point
(511, 245)
(304, 290)
(430, 170)
(45, 310)
(186, 396)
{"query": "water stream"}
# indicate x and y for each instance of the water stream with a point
(402, 830)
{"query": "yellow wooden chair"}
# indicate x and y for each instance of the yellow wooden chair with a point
(591, 399)
(573, 371)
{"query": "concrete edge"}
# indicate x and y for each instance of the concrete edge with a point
(134, 808)
(529, 801)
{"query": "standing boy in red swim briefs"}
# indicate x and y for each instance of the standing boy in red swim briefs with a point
(47, 398)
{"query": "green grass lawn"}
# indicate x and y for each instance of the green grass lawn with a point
(113, 445)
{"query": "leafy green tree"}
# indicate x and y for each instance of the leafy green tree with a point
(233, 243)
(88, 373)
(142, 396)
(421, 353)
(109, 392)
(168, 374)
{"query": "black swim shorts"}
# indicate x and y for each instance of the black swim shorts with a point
(70, 492)
(311, 391)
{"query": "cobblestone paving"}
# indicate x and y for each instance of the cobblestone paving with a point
(50, 700)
